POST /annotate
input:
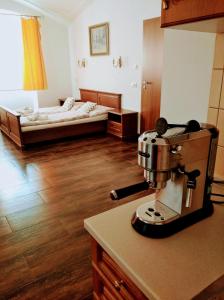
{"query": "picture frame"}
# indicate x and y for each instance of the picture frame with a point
(99, 39)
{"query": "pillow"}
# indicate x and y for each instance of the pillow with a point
(33, 117)
(76, 106)
(98, 111)
(42, 117)
(87, 107)
(24, 111)
(107, 108)
(69, 102)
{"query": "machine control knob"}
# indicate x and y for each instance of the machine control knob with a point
(162, 126)
(157, 214)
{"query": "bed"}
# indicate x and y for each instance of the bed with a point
(10, 122)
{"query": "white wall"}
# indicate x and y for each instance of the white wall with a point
(126, 35)
(55, 45)
(188, 60)
(56, 56)
(18, 99)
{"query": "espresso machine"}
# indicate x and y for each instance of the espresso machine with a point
(178, 162)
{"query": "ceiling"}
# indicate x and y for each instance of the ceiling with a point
(67, 9)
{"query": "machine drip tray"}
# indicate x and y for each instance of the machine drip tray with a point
(156, 213)
(154, 219)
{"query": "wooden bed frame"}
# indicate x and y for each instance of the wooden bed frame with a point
(10, 121)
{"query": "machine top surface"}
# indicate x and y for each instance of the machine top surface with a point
(169, 133)
(172, 135)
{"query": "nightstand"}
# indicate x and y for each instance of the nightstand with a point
(122, 123)
(61, 101)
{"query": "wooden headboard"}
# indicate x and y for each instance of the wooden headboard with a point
(101, 98)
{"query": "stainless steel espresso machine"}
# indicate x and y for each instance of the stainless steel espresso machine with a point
(178, 162)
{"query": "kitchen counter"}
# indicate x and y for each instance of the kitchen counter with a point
(178, 267)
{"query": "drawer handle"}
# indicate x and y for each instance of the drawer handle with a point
(118, 284)
(165, 4)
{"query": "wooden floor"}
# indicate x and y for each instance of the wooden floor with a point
(45, 194)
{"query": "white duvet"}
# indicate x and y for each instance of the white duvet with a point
(57, 109)
(76, 113)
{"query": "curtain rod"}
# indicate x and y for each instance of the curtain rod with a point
(16, 15)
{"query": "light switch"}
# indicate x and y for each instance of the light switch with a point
(134, 84)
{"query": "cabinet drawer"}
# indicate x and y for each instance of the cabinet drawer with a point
(119, 282)
(114, 125)
(116, 277)
(105, 289)
(114, 128)
(110, 282)
(107, 294)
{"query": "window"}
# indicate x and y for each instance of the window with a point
(11, 52)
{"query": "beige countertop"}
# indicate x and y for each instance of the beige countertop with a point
(176, 268)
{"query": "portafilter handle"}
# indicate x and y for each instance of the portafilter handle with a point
(129, 190)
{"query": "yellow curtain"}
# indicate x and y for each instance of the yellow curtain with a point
(34, 75)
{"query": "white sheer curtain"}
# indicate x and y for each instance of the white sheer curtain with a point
(11, 52)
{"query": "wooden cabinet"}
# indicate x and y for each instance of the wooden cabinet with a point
(122, 123)
(10, 125)
(176, 12)
(109, 281)
(4, 121)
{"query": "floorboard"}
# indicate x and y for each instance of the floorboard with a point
(46, 191)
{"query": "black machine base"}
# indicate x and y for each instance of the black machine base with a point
(165, 230)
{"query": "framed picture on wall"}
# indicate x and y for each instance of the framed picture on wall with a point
(99, 39)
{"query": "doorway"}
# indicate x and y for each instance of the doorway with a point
(153, 42)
